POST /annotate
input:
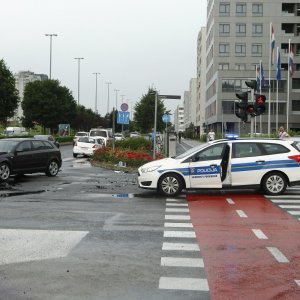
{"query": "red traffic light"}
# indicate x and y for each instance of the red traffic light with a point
(260, 107)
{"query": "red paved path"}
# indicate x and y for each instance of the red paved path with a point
(237, 263)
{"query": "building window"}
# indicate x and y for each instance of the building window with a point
(240, 49)
(224, 9)
(241, 9)
(223, 66)
(296, 83)
(240, 29)
(240, 67)
(224, 29)
(228, 107)
(256, 49)
(257, 9)
(257, 29)
(224, 49)
(296, 105)
(228, 85)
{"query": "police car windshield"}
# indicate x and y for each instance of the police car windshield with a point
(191, 151)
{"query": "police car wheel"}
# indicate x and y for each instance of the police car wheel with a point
(274, 183)
(170, 185)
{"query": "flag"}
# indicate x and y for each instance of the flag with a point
(262, 75)
(291, 62)
(258, 78)
(272, 45)
(278, 67)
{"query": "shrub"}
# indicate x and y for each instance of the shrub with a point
(134, 144)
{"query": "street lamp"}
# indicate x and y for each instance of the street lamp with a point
(116, 98)
(108, 83)
(78, 59)
(96, 91)
(50, 35)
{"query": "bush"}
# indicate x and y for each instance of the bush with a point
(134, 144)
(64, 139)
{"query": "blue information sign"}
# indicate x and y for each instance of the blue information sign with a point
(166, 118)
(123, 117)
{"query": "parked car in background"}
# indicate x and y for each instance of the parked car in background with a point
(119, 137)
(47, 137)
(28, 155)
(78, 135)
(101, 132)
(86, 146)
(268, 164)
(135, 134)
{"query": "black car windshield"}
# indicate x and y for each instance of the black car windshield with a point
(191, 151)
(98, 133)
(7, 146)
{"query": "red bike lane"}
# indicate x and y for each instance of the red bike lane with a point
(250, 247)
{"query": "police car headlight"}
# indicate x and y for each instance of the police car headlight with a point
(150, 169)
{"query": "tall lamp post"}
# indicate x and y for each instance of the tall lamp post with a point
(78, 59)
(108, 83)
(96, 94)
(50, 35)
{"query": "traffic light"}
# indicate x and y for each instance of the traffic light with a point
(259, 105)
(241, 106)
(252, 84)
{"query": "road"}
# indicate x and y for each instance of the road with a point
(91, 233)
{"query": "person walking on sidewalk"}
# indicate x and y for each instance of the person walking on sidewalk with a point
(211, 135)
(179, 136)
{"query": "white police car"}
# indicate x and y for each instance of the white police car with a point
(269, 164)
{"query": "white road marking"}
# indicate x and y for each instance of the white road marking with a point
(177, 204)
(278, 255)
(21, 245)
(298, 282)
(182, 262)
(259, 234)
(283, 197)
(289, 206)
(185, 225)
(191, 284)
(177, 217)
(230, 201)
(180, 246)
(241, 213)
(294, 212)
(286, 201)
(182, 234)
(67, 159)
(183, 210)
(172, 200)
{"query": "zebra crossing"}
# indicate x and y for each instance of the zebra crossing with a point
(182, 266)
(289, 203)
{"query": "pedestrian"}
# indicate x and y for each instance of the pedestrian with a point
(179, 136)
(211, 135)
(282, 134)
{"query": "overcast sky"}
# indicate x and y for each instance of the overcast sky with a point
(134, 44)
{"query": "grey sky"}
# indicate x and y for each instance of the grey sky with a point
(134, 44)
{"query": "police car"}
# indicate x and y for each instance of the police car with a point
(268, 164)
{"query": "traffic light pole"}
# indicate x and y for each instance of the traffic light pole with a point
(252, 119)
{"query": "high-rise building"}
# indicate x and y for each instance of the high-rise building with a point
(238, 39)
(179, 119)
(22, 78)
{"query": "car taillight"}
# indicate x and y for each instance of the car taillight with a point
(295, 157)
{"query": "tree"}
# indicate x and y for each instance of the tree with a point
(48, 104)
(9, 96)
(144, 113)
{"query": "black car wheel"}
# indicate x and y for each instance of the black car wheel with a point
(4, 171)
(52, 168)
(274, 183)
(170, 185)
(74, 154)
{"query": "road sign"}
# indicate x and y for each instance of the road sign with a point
(124, 106)
(166, 118)
(123, 117)
(169, 96)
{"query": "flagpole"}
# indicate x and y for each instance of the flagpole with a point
(288, 89)
(260, 84)
(270, 60)
(277, 92)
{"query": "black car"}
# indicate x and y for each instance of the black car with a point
(28, 155)
(47, 137)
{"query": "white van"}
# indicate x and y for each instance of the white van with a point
(105, 133)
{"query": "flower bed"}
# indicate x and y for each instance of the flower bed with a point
(132, 158)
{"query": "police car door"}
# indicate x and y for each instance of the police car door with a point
(205, 167)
